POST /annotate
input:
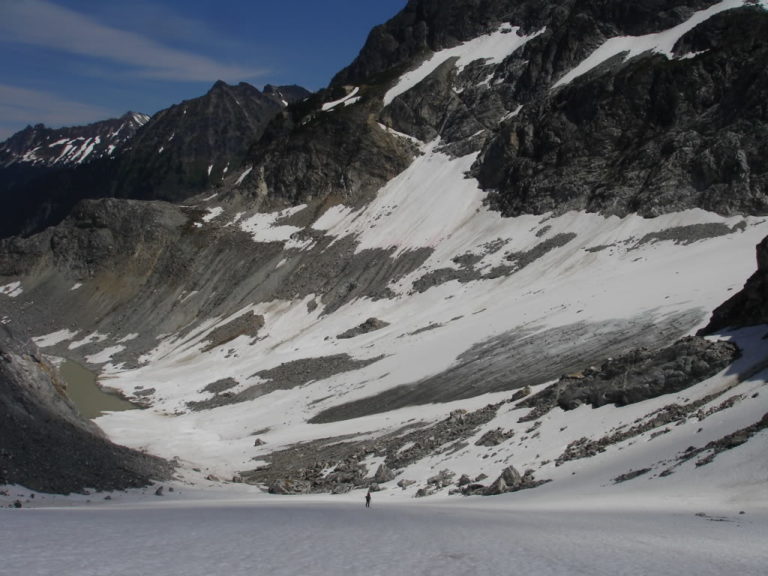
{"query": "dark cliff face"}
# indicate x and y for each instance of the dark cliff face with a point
(311, 155)
(431, 25)
(650, 136)
(749, 307)
(45, 444)
(192, 145)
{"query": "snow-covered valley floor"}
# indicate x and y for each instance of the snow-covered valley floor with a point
(237, 534)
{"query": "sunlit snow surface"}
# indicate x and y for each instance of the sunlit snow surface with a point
(12, 289)
(492, 48)
(605, 274)
(185, 534)
(347, 100)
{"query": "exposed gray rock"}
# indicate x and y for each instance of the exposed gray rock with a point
(467, 271)
(383, 474)
(518, 359)
(748, 307)
(289, 487)
(369, 325)
(727, 442)
(494, 437)
(45, 445)
(687, 234)
(632, 474)
(286, 376)
(220, 385)
(510, 480)
(636, 376)
(673, 413)
(171, 274)
(649, 135)
(442, 479)
(308, 155)
(309, 462)
(248, 324)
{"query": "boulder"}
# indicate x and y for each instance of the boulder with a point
(494, 437)
(441, 479)
(405, 483)
(383, 475)
(510, 480)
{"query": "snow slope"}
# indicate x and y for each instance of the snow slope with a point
(609, 278)
(250, 535)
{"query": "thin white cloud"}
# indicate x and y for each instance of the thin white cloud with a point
(21, 106)
(41, 23)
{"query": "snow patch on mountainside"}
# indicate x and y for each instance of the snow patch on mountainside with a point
(349, 99)
(659, 42)
(12, 290)
(55, 337)
(265, 226)
(213, 213)
(493, 48)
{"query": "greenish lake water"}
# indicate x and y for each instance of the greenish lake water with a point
(82, 389)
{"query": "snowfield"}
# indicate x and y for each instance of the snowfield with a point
(237, 533)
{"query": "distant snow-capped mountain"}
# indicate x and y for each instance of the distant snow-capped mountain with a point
(179, 151)
(48, 147)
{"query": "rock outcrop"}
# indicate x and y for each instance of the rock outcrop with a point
(45, 445)
(650, 135)
(748, 307)
(635, 376)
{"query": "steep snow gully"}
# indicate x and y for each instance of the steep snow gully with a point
(417, 344)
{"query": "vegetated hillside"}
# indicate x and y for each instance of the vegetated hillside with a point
(465, 283)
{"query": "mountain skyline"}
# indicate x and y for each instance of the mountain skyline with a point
(77, 62)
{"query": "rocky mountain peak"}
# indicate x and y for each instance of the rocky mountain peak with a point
(40, 146)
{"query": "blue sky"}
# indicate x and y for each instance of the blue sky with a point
(69, 62)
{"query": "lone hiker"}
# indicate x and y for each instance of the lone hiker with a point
(368, 499)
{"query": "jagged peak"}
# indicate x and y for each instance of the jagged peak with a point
(218, 86)
(137, 117)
